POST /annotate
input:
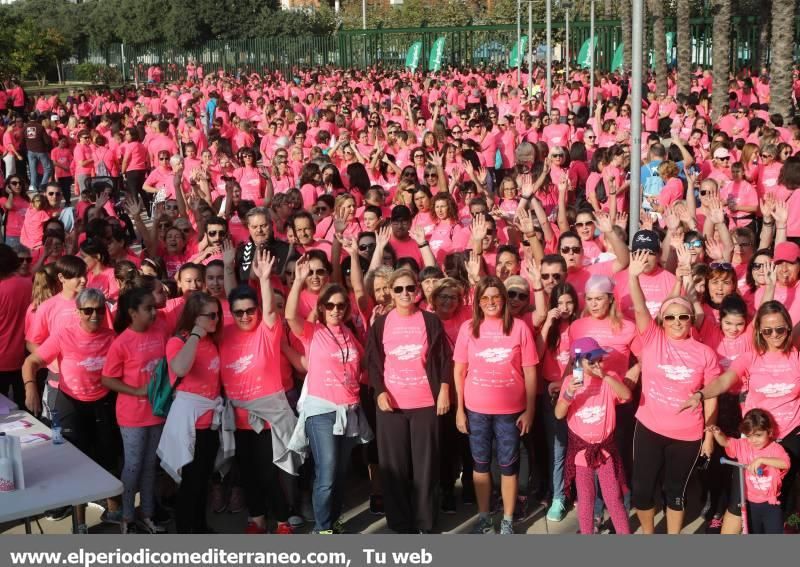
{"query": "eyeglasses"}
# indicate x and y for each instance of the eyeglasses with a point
(693, 244)
(318, 272)
(164, 225)
(366, 247)
(431, 175)
(758, 265)
(573, 249)
(240, 313)
(163, 158)
(589, 137)
(447, 297)
(54, 193)
(779, 331)
(767, 156)
(211, 316)
(556, 277)
(743, 244)
(521, 295)
(417, 156)
(14, 183)
(411, 288)
(215, 233)
(584, 224)
(721, 266)
(25, 259)
(491, 300)
(89, 311)
(330, 306)
(724, 159)
(683, 317)
(556, 156)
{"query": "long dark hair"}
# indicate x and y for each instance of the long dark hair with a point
(130, 299)
(194, 307)
(477, 313)
(553, 338)
(770, 308)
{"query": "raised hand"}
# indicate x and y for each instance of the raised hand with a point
(645, 220)
(672, 220)
(339, 222)
(302, 269)
(604, 223)
(349, 245)
(534, 273)
(133, 206)
(716, 214)
(714, 249)
(383, 237)
(436, 159)
(526, 183)
(780, 212)
(767, 206)
(228, 253)
(479, 228)
(418, 234)
(524, 221)
(262, 264)
(474, 267)
(771, 273)
(622, 220)
(638, 263)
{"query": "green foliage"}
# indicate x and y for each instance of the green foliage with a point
(35, 50)
(97, 73)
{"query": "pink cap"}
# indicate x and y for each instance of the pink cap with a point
(675, 301)
(786, 252)
(599, 284)
(721, 152)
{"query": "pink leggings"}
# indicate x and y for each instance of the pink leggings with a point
(584, 484)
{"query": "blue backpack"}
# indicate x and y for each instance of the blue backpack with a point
(651, 186)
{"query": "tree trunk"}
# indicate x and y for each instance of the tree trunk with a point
(684, 42)
(721, 55)
(659, 45)
(627, 31)
(763, 33)
(781, 57)
(608, 10)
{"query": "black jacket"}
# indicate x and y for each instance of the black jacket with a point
(438, 362)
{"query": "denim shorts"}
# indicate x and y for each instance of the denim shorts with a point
(500, 430)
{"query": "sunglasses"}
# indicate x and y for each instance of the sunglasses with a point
(721, 266)
(212, 316)
(448, 297)
(411, 288)
(318, 272)
(26, 259)
(758, 265)
(494, 300)
(14, 183)
(779, 331)
(249, 312)
(767, 156)
(366, 247)
(556, 277)
(163, 158)
(683, 317)
(584, 224)
(330, 306)
(53, 193)
(164, 225)
(89, 311)
(521, 295)
(431, 175)
(724, 159)
(320, 210)
(589, 137)
(693, 244)
(456, 132)
(417, 156)
(573, 249)
(555, 156)
(214, 233)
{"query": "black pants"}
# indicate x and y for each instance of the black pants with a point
(764, 518)
(654, 454)
(791, 443)
(91, 427)
(259, 475)
(134, 181)
(408, 450)
(456, 457)
(190, 514)
(11, 386)
(66, 184)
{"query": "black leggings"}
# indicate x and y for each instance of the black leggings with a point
(11, 380)
(190, 514)
(259, 475)
(91, 427)
(134, 181)
(653, 454)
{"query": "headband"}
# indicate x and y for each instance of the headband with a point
(675, 301)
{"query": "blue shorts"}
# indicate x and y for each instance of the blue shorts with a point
(500, 430)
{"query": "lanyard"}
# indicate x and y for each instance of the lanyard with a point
(345, 352)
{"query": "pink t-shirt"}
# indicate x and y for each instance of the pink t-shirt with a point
(578, 278)
(767, 486)
(591, 414)
(405, 342)
(53, 314)
(620, 342)
(656, 286)
(334, 363)
(248, 362)
(132, 358)
(495, 383)
(15, 217)
(773, 383)
(203, 378)
(15, 297)
(673, 370)
(81, 357)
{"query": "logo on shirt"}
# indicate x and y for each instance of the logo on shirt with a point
(242, 364)
(760, 483)
(776, 390)
(495, 355)
(93, 363)
(151, 366)
(653, 307)
(214, 364)
(676, 373)
(406, 352)
(591, 414)
(563, 357)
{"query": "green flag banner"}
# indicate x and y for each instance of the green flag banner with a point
(519, 48)
(413, 55)
(437, 54)
(616, 62)
(585, 55)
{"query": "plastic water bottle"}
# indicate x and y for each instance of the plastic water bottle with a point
(577, 369)
(760, 471)
(55, 428)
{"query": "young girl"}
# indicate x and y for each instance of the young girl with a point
(129, 364)
(767, 463)
(588, 405)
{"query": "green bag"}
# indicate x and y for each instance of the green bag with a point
(159, 390)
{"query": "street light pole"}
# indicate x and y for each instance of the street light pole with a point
(548, 87)
(530, 48)
(591, 60)
(519, 38)
(636, 116)
(567, 6)
(363, 14)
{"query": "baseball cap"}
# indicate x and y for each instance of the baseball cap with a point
(720, 153)
(400, 213)
(517, 282)
(786, 252)
(646, 240)
(589, 348)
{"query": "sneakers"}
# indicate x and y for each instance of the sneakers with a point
(557, 510)
(506, 527)
(217, 498)
(484, 527)
(58, 514)
(376, 505)
(449, 503)
(111, 517)
(323, 532)
(296, 521)
(714, 525)
(128, 528)
(284, 529)
(254, 529)
(338, 527)
(148, 526)
(236, 500)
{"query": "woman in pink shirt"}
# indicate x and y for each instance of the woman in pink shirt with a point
(193, 358)
(771, 373)
(128, 369)
(85, 406)
(410, 368)
(134, 163)
(667, 442)
(15, 206)
(84, 160)
(495, 379)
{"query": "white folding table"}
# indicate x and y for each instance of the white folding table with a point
(55, 476)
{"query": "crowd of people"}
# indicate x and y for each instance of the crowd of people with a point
(427, 277)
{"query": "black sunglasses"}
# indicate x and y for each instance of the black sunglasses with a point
(318, 272)
(779, 331)
(330, 306)
(556, 277)
(398, 289)
(239, 313)
(89, 311)
(366, 247)
(521, 295)
(213, 233)
(573, 249)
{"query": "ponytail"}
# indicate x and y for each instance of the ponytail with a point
(130, 299)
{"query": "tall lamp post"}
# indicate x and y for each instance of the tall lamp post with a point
(566, 4)
(591, 59)
(548, 87)
(519, 38)
(636, 116)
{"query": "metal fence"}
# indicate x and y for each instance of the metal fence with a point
(464, 47)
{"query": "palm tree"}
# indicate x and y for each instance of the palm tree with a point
(659, 45)
(627, 32)
(721, 55)
(684, 42)
(781, 57)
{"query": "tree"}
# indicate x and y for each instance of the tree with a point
(35, 50)
(684, 42)
(781, 63)
(627, 32)
(608, 10)
(721, 54)
(659, 45)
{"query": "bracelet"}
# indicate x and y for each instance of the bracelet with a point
(538, 289)
(526, 197)
(567, 396)
(765, 223)
(423, 245)
(29, 382)
(702, 396)
(199, 338)
(525, 242)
